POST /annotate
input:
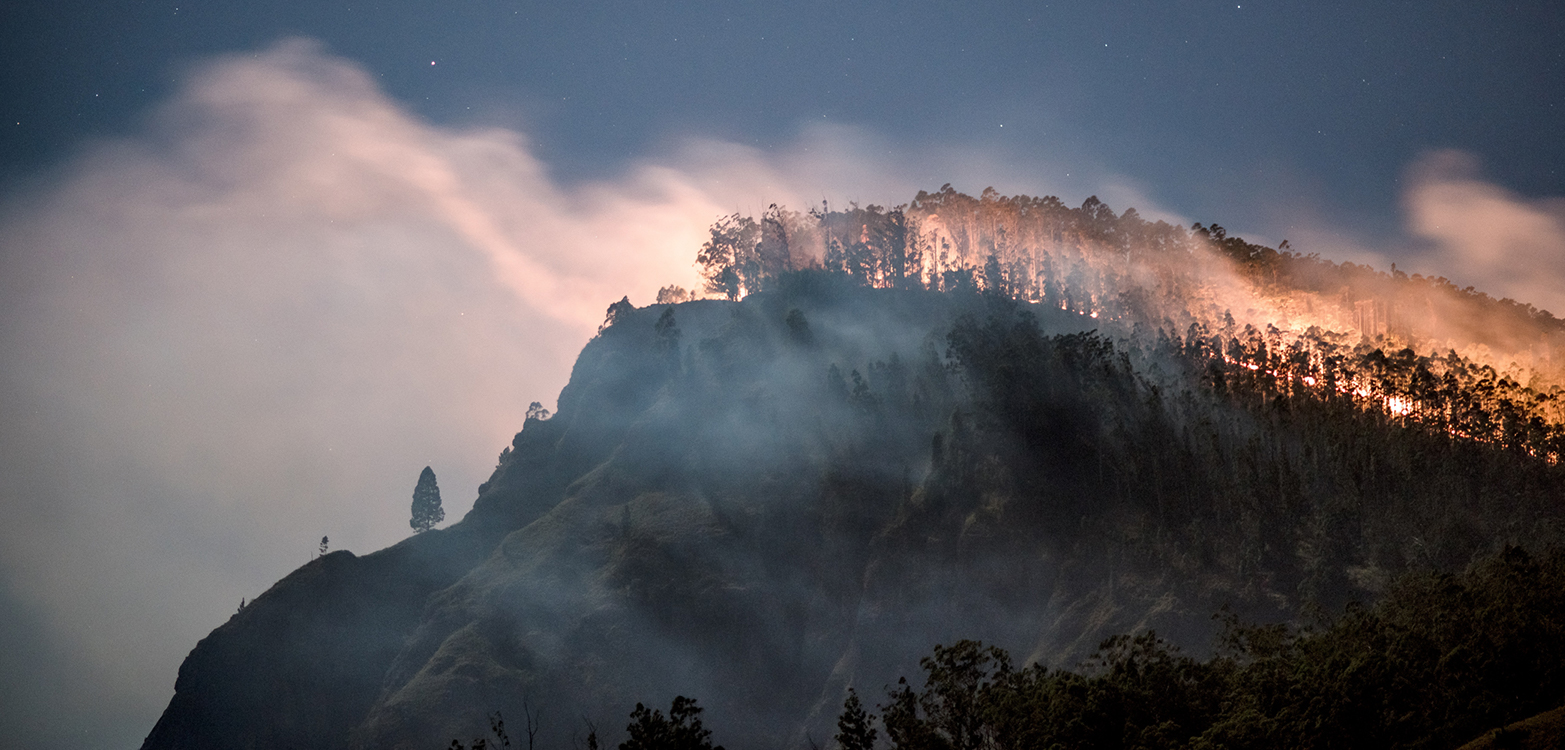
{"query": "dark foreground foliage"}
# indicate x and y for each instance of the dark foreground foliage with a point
(680, 730)
(649, 729)
(1441, 660)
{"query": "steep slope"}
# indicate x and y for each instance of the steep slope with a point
(1546, 731)
(762, 503)
(301, 664)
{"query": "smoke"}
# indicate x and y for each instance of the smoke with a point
(252, 324)
(1502, 243)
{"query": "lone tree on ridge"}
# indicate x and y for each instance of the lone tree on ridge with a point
(426, 503)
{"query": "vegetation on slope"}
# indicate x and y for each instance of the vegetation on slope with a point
(771, 500)
(1416, 347)
(1440, 660)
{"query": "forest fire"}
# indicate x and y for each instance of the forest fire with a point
(1264, 321)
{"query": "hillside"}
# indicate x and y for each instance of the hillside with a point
(763, 502)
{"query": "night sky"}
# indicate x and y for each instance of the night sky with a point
(260, 262)
(1223, 111)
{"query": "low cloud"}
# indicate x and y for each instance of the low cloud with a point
(1481, 234)
(251, 324)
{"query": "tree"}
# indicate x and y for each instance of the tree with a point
(617, 312)
(667, 341)
(729, 262)
(673, 294)
(426, 503)
(949, 713)
(799, 328)
(855, 727)
(501, 739)
(891, 235)
(680, 730)
(774, 254)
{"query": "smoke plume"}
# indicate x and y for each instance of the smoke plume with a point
(251, 326)
(1486, 236)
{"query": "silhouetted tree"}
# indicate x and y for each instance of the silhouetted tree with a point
(892, 235)
(774, 252)
(592, 735)
(799, 328)
(855, 727)
(426, 503)
(728, 259)
(994, 277)
(501, 739)
(616, 312)
(673, 294)
(680, 730)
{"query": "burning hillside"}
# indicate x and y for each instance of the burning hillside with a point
(1276, 321)
(993, 418)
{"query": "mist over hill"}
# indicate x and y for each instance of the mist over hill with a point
(992, 418)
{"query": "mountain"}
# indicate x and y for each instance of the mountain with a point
(762, 502)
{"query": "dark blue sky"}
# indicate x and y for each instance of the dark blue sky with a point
(1225, 111)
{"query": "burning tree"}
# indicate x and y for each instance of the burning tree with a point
(729, 261)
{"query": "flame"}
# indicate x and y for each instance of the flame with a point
(1399, 405)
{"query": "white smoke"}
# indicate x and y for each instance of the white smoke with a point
(1489, 237)
(252, 324)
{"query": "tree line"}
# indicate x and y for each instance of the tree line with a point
(1172, 285)
(1441, 660)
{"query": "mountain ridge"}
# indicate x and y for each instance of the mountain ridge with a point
(763, 502)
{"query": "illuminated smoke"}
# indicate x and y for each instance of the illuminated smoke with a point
(253, 324)
(1488, 236)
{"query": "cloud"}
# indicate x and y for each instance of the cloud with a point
(1488, 237)
(252, 323)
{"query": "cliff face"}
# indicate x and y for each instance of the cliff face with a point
(762, 503)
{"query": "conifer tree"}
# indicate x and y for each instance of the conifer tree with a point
(426, 503)
(855, 727)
